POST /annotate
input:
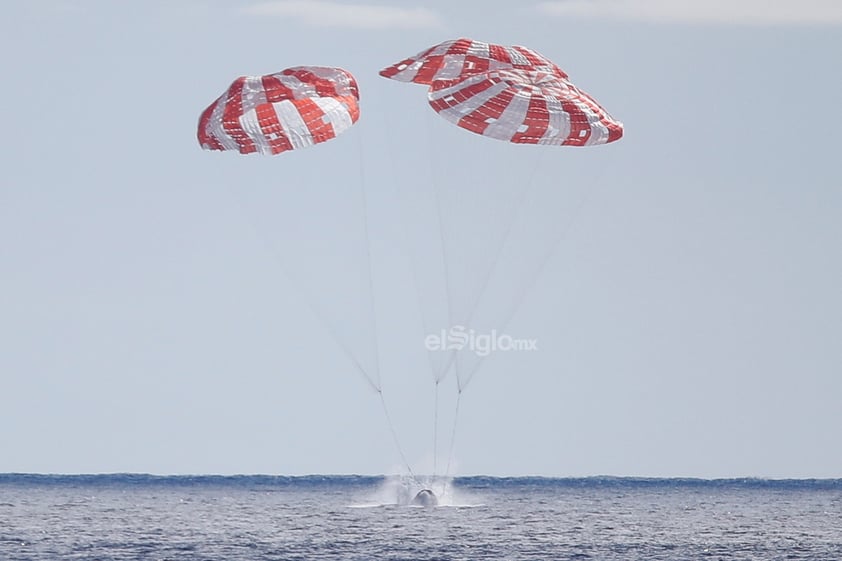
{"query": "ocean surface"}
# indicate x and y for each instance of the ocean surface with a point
(210, 518)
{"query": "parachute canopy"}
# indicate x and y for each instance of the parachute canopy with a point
(459, 58)
(288, 110)
(512, 94)
(524, 107)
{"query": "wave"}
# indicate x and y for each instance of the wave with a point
(466, 482)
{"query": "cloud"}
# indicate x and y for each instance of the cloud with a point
(324, 13)
(716, 12)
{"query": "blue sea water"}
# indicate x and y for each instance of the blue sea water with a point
(210, 518)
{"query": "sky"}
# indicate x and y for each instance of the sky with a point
(169, 310)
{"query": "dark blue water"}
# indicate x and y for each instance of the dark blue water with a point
(140, 517)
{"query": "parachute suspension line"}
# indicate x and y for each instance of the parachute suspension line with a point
(435, 185)
(261, 235)
(544, 260)
(589, 193)
(524, 194)
(395, 438)
(521, 199)
(435, 430)
(452, 439)
(447, 284)
(415, 266)
(364, 201)
(438, 374)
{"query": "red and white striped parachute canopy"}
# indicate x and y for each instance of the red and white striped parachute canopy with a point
(525, 107)
(291, 109)
(513, 94)
(460, 58)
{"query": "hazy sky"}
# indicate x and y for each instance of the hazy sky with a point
(165, 309)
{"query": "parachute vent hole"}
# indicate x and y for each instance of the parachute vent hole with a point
(523, 128)
(450, 99)
(583, 133)
(402, 66)
(490, 120)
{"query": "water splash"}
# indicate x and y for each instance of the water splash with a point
(400, 490)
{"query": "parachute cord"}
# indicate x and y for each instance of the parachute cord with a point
(499, 252)
(364, 201)
(452, 439)
(395, 438)
(261, 235)
(435, 185)
(413, 259)
(452, 359)
(435, 430)
(518, 206)
(589, 193)
(487, 279)
(447, 283)
(438, 374)
(545, 259)
(374, 308)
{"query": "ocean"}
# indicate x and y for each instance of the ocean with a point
(251, 518)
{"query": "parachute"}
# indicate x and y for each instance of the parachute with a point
(459, 58)
(495, 231)
(288, 110)
(511, 94)
(524, 107)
